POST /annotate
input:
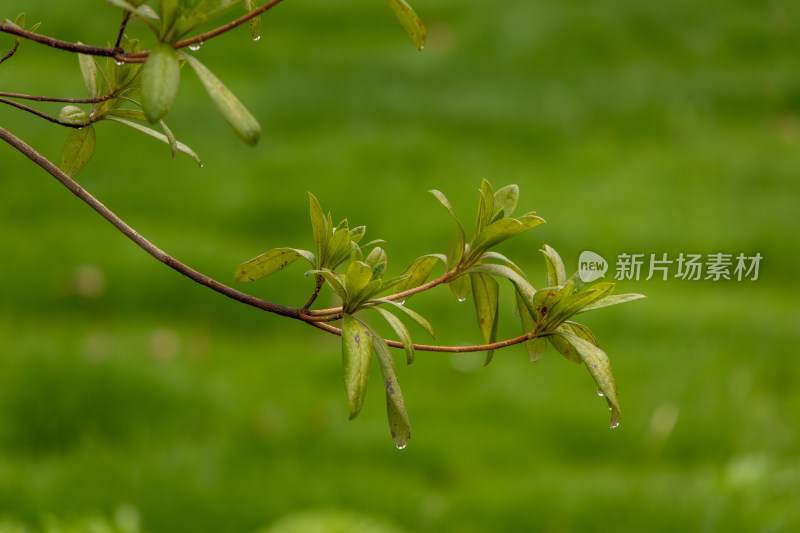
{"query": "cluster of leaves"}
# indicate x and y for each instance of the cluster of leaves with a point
(472, 268)
(151, 89)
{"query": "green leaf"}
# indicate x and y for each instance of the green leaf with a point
(270, 262)
(533, 346)
(320, 226)
(334, 280)
(506, 199)
(410, 22)
(419, 271)
(89, 72)
(556, 275)
(71, 114)
(133, 114)
(462, 238)
(395, 405)
(600, 368)
(614, 299)
(570, 304)
(160, 79)
(401, 330)
(171, 140)
(357, 233)
(485, 207)
(502, 230)
(357, 345)
(485, 292)
(78, 149)
(416, 317)
(500, 257)
(338, 248)
(461, 287)
(563, 347)
(255, 22)
(143, 11)
(157, 135)
(523, 287)
(238, 117)
(356, 280)
(581, 331)
(376, 257)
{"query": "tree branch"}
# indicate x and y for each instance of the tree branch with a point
(55, 99)
(202, 279)
(61, 45)
(39, 114)
(11, 52)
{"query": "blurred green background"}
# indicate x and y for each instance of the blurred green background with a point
(631, 127)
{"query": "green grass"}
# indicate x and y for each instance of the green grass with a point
(629, 127)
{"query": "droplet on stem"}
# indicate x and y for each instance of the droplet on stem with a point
(194, 47)
(119, 63)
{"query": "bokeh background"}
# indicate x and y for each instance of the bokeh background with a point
(131, 398)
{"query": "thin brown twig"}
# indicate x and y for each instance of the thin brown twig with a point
(39, 114)
(126, 15)
(58, 43)
(36, 98)
(11, 52)
(202, 279)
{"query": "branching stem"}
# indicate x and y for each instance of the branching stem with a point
(311, 317)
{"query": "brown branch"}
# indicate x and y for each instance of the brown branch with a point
(39, 114)
(126, 16)
(61, 45)
(202, 279)
(10, 53)
(55, 99)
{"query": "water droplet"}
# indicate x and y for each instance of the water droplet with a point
(194, 47)
(462, 299)
(600, 393)
(256, 37)
(401, 446)
(402, 302)
(119, 63)
(614, 422)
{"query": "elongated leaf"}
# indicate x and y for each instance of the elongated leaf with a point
(486, 292)
(89, 72)
(461, 287)
(376, 256)
(370, 289)
(338, 248)
(270, 262)
(534, 346)
(319, 224)
(255, 22)
(334, 280)
(357, 346)
(157, 135)
(523, 287)
(500, 257)
(395, 405)
(419, 271)
(357, 233)
(506, 198)
(569, 304)
(401, 330)
(238, 117)
(581, 331)
(171, 140)
(563, 347)
(160, 79)
(600, 368)
(614, 299)
(78, 149)
(389, 283)
(462, 238)
(410, 22)
(502, 230)
(485, 207)
(144, 11)
(556, 275)
(416, 317)
(133, 114)
(356, 279)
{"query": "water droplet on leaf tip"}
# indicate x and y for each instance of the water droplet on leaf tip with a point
(401, 446)
(462, 299)
(600, 393)
(257, 37)
(614, 423)
(402, 302)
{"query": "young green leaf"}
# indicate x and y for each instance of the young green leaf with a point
(556, 275)
(461, 237)
(376, 256)
(255, 22)
(89, 72)
(410, 22)
(461, 287)
(401, 330)
(419, 271)
(319, 224)
(171, 140)
(71, 114)
(395, 405)
(416, 317)
(270, 262)
(338, 248)
(533, 346)
(563, 347)
(600, 368)
(485, 292)
(160, 79)
(238, 117)
(506, 198)
(485, 207)
(157, 135)
(569, 304)
(357, 345)
(78, 149)
(614, 299)
(358, 276)
(334, 280)
(523, 287)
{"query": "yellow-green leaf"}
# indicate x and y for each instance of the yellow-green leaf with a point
(270, 262)
(78, 149)
(233, 111)
(410, 22)
(160, 79)
(357, 348)
(485, 293)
